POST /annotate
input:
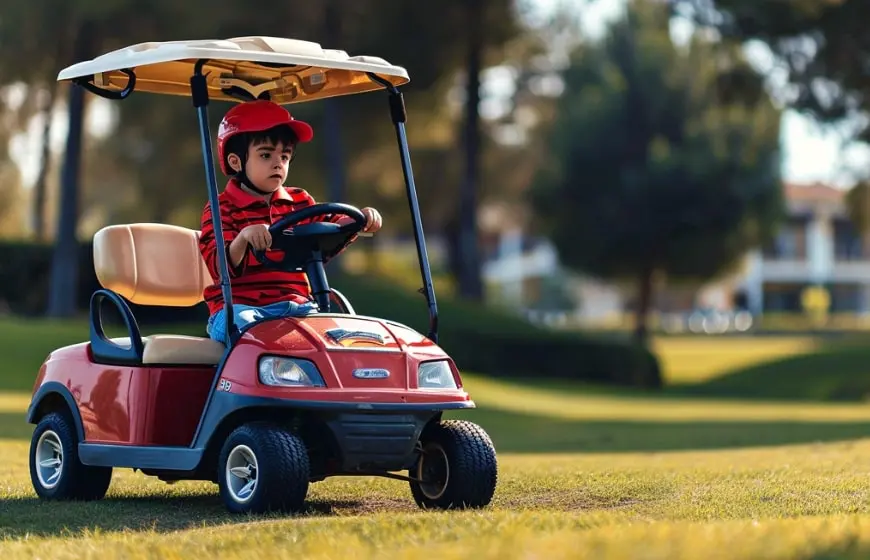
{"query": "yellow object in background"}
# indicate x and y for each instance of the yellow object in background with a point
(816, 301)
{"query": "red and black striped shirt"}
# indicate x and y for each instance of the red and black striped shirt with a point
(251, 282)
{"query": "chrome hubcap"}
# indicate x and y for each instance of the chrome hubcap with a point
(241, 473)
(49, 459)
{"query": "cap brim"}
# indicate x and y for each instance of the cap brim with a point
(302, 130)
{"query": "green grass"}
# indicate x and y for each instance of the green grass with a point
(584, 472)
(696, 359)
(792, 368)
(757, 502)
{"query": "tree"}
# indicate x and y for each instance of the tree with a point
(80, 29)
(40, 188)
(64, 266)
(658, 168)
(822, 46)
(159, 174)
(858, 206)
(470, 283)
(12, 118)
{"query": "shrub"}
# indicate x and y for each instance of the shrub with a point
(498, 343)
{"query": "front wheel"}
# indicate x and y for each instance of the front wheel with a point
(457, 467)
(263, 468)
(55, 469)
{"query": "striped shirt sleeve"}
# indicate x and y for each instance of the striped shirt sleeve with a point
(208, 245)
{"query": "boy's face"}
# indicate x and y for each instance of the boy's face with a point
(267, 164)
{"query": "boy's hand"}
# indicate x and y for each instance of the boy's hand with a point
(257, 236)
(373, 220)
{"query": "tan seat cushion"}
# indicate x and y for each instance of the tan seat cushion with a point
(157, 264)
(178, 349)
(151, 264)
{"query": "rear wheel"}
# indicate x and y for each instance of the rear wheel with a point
(263, 468)
(457, 467)
(55, 469)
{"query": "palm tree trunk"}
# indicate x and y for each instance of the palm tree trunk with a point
(63, 288)
(644, 303)
(470, 284)
(40, 188)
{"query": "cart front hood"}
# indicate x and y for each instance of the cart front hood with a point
(353, 352)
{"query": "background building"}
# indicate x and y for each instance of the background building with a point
(816, 246)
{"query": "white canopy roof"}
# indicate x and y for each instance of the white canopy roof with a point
(291, 70)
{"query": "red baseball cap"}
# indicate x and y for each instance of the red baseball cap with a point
(256, 116)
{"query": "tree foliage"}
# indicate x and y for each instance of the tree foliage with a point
(155, 151)
(657, 167)
(858, 206)
(156, 139)
(822, 45)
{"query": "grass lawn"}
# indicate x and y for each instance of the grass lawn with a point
(790, 368)
(709, 469)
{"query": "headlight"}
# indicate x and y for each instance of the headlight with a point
(289, 372)
(435, 375)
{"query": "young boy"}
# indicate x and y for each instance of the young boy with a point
(256, 143)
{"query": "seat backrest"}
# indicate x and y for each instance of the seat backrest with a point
(151, 264)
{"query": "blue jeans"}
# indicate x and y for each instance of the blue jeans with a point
(246, 314)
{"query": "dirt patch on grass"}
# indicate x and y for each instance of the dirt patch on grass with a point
(375, 504)
(562, 501)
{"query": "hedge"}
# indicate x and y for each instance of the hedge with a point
(498, 343)
(479, 338)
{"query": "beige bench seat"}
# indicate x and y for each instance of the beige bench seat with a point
(177, 349)
(157, 264)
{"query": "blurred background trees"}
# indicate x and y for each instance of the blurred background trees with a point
(820, 59)
(664, 161)
(149, 166)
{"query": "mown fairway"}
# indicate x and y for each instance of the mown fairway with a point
(585, 472)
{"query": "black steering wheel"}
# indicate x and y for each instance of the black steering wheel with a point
(309, 246)
(315, 241)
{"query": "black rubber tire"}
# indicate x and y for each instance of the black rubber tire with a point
(77, 482)
(283, 469)
(472, 464)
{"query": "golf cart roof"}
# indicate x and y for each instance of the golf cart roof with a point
(292, 70)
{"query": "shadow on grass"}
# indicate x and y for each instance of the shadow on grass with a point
(20, 517)
(834, 373)
(528, 433)
(511, 432)
(847, 551)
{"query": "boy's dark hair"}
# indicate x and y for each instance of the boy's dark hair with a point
(239, 144)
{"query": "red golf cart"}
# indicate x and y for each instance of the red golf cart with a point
(280, 403)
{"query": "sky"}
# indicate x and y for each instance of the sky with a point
(810, 153)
